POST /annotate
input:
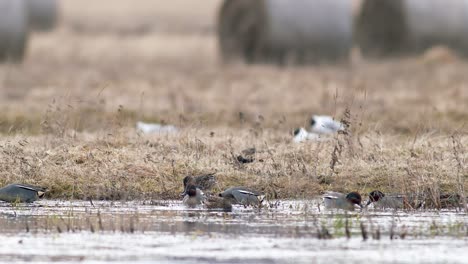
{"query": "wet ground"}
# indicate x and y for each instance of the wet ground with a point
(282, 232)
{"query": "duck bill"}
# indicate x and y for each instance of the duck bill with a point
(359, 206)
(368, 203)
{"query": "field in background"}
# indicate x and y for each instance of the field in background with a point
(68, 112)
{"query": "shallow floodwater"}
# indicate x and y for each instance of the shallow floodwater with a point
(281, 232)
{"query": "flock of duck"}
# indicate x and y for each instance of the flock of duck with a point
(197, 193)
(197, 189)
(194, 196)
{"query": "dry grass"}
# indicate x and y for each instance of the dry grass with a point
(68, 112)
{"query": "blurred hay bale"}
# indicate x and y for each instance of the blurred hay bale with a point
(380, 27)
(13, 30)
(356, 5)
(279, 31)
(43, 14)
(388, 27)
(434, 22)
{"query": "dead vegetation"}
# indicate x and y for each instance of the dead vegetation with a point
(68, 115)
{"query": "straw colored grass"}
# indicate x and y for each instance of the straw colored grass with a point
(68, 113)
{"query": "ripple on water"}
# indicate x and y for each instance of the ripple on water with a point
(166, 232)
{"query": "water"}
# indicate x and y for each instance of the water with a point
(166, 232)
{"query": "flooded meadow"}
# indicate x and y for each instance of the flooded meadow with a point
(73, 121)
(280, 232)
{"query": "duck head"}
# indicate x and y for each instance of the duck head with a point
(187, 180)
(190, 190)
(375, 196)
(354, 198)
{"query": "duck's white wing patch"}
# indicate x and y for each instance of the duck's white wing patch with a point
(332, 195)
(26, 187)
(247, 192)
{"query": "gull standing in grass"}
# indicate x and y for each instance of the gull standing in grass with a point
(21, 193)
(321, 124)
(150, 128)
(336, 200)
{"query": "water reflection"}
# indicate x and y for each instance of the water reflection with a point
(141, 231)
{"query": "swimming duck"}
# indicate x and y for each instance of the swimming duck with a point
(204, 182)
(22, 193)
(322, 124)
(336, 200)
(193, 196)
(242, 195)
(382, 201)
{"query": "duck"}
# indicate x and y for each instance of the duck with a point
(204, 182)
(218, 203)
(22, 193)
(193, 196)
(322, 124)
(301, 135)
(336, 200)
(242, 195)
(382, 201)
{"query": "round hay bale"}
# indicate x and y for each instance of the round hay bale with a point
(43, 14)
(279, 31)
(386, 27)
(380, 27)
(13, 30)
(433, 22)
